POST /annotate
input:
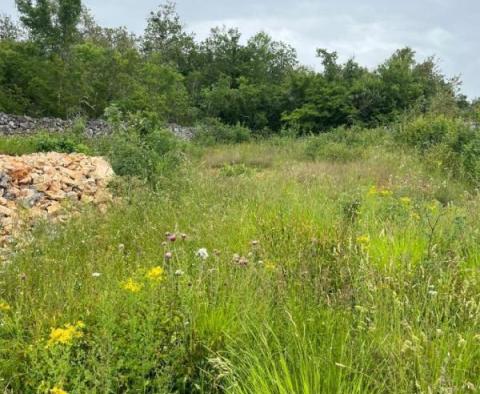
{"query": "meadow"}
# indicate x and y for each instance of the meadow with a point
(254, 268)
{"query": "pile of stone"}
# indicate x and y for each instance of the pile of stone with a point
(43, 185)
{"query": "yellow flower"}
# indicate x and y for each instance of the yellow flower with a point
(65, 335)
(415, 216)
(270, 266)
(385, 193)
(363, 240)
(4, 307)
(156, 274)
(80, 324)
(372, 191)
(57, 390)
(433, 207)
(405, 200)
(131, 285)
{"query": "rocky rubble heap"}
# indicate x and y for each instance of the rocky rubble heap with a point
(42, 184)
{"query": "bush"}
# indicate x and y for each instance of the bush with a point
(424, 132)
(450, 144)
(144, 150)
(212, 131)
(63, 143)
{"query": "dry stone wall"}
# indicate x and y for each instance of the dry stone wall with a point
(25, 125)
(18, 125)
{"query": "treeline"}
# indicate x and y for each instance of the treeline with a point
(57, 61)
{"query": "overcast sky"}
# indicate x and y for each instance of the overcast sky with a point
(369, 30)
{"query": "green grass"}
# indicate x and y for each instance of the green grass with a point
(350, 289)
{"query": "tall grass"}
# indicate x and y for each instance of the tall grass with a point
(322, 277)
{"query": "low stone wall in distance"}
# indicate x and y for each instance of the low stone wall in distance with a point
(23, 125)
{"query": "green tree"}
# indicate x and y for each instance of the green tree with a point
(165, 35)
(52, 23)
(9, 30)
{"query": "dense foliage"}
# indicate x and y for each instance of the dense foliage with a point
(59, 62)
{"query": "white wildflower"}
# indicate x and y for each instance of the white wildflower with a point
(202, 253)
(96, 274)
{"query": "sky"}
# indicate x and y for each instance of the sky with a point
(368, 30)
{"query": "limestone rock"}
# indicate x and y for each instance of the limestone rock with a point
(41, 182)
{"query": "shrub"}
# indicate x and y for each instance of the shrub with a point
(144, 150)
(424, 132)
(450, 144)
(212, 131)
(63, 143)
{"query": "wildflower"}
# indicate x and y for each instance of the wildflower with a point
(179, 273)
(202, 253)
(433, 207)
(270, 266)
(57, 390)
(65, 335)
(405, 201)
(168, 255)
(4, 307)
(415, 216)
(184, 236)
(372, 191)
(96, 274)
(156, 273)
(363, 240)
(131, 286)
(255, 243)
(385, 193)
(172, 237)
(121, 247)
(164, 243)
